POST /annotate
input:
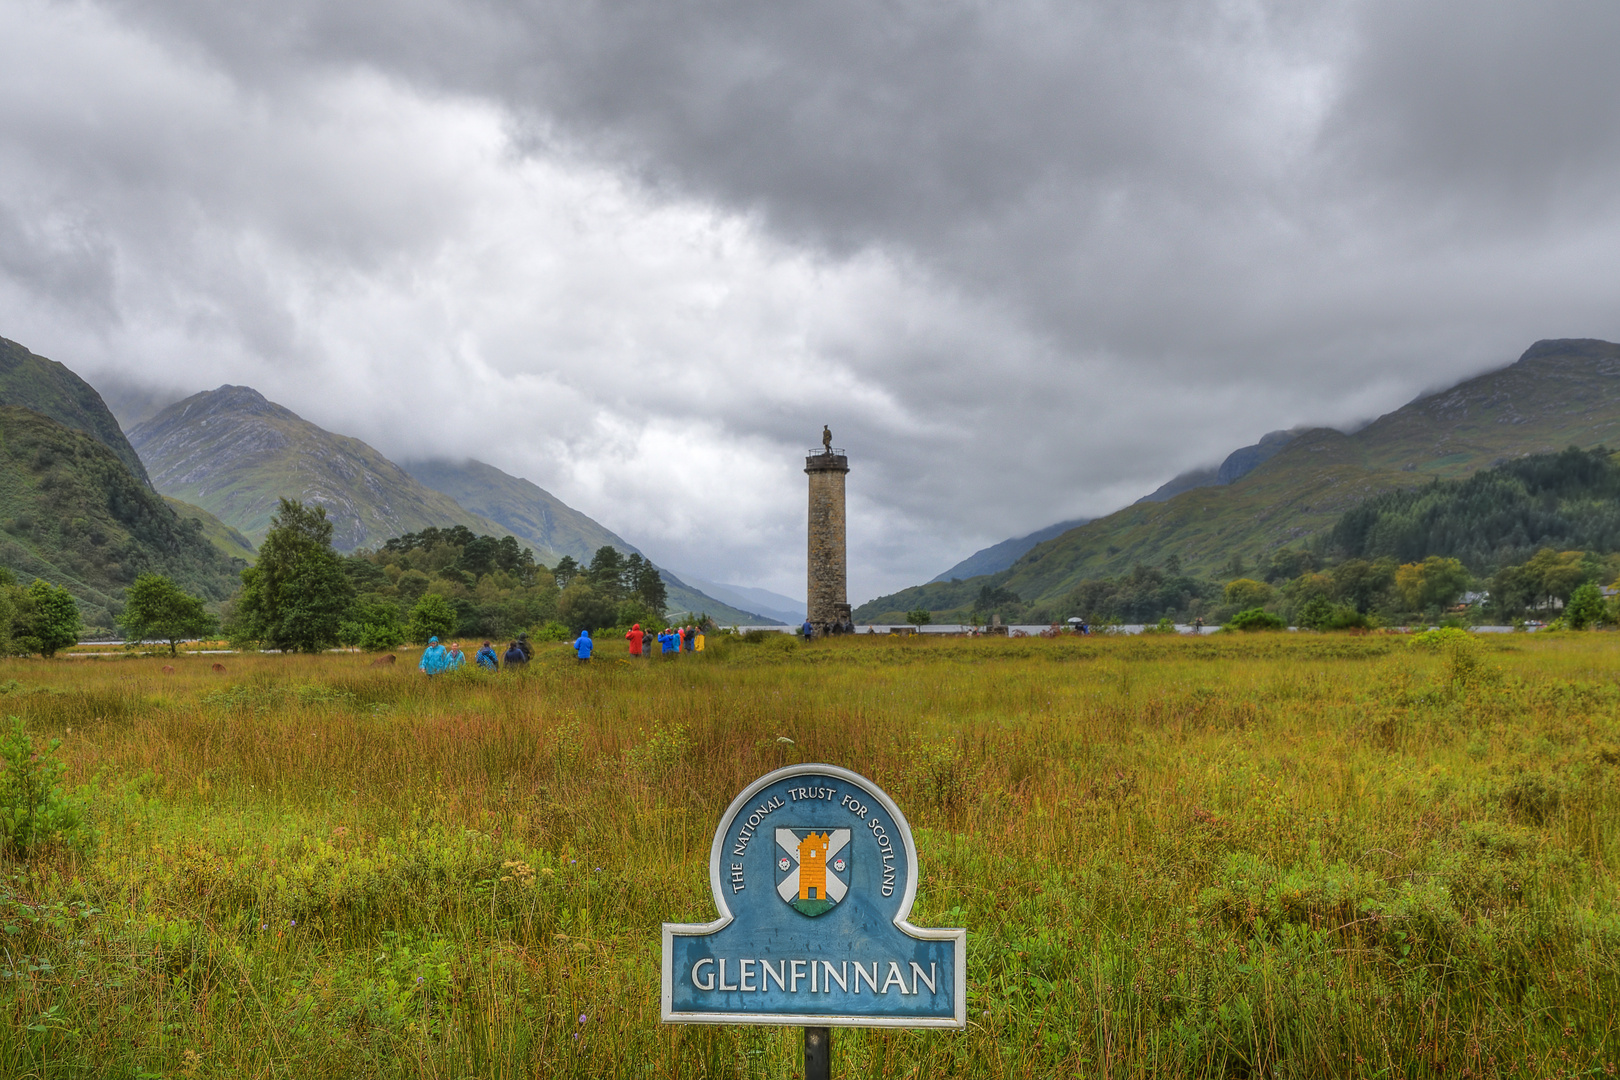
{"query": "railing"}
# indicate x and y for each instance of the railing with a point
(826, 451)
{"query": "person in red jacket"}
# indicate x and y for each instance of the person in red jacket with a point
(635, 637)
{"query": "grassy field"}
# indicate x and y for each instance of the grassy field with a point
(1286, 857)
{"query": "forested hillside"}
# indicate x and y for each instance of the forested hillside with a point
(1494, 518)
(72, 513)
(1528, 532)
(51, 389)
(1558, 394)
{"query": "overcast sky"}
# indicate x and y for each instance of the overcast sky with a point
(1028, 259)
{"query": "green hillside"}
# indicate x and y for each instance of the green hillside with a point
(72, 513)
(51, 389)
(235, 454)
(1569, 501)
(529, 512)
(1558, 394)
(215, 531)
(553, 528)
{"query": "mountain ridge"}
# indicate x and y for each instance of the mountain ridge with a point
(234, 453)
(1560, 392)
(52, 389)
(73, 513)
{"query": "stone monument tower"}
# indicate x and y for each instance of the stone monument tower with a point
(827, 599)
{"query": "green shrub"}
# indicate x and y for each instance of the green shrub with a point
(1586, 608)
(433, 616)
(1256, 619)
(33, 810)
(1437, 640)
(552, 631)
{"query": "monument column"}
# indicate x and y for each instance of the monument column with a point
(827, 596)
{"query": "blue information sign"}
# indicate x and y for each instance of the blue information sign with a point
(814, 871)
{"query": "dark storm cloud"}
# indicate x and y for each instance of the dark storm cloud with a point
(1095, 243)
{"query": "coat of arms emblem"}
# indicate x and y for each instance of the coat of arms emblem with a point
(812, 869)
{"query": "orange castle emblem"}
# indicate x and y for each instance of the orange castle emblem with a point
(812, 871)
(813, 866)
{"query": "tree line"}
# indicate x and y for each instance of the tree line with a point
(302, 596)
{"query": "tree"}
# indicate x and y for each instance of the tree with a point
(647, 584)
(433, 616)
(633, 611)
(565, 572)
(606, 574)
(1247, 593)
(296, 596)
(1585, 607)
(47, 619)
(919, 617)
(1315, 613)
(155, 607)
(583, 608)
(1433, 583)
(373, 626)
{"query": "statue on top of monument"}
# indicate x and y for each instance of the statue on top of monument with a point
(826, 439)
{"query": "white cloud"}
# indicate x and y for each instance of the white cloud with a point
(1027, 259)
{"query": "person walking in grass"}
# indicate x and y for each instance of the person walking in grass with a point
(455, 658)
(697, 635)
(583, 646)
(434, 658)
(515, 656)
(669, 643)
(487, 659)
(688, 638)
(635, 637)
(523, 643)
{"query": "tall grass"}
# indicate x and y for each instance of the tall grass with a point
(1287, 857)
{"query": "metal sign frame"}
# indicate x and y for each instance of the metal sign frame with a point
(901, 921)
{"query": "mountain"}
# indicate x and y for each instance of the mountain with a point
(772, 606)
(52, 390)
(235, 454)
(683, 598)
(1238, 464)
(998, 557)
(1568, 501)
(529, 512)
(1558, 394)
(553, 528)
(73, 513)
(215, 531)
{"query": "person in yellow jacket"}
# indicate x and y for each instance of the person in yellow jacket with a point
(697, 645)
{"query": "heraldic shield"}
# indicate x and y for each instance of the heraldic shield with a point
(812, 868)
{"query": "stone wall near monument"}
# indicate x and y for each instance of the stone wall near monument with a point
(827, 596)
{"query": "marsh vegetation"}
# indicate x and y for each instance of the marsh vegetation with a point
(1250, 856)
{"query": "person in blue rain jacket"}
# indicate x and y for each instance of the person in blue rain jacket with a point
(434, 658)
(583, 645)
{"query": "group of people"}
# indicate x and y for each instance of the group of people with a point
(671, 640)
(437, 659)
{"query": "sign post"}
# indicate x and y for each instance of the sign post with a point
(814, 872)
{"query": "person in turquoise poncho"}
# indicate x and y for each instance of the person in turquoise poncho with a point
(434, 658)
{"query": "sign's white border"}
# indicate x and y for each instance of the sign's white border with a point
(672, 930)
